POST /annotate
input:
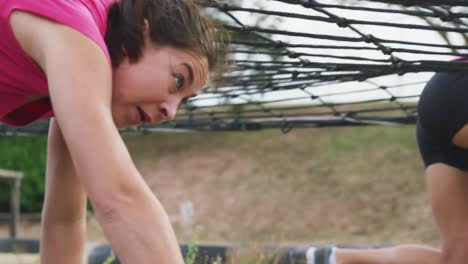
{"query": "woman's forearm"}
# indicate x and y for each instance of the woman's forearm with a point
(63, 242)
(139, 229)
(63, 229)
(132, 218)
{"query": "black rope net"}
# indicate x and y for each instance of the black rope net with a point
(307, 63)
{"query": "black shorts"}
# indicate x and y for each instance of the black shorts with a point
(442, 112)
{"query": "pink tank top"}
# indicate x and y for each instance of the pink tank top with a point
(20, 77)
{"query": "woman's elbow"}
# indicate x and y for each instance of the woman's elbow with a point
(112, 204)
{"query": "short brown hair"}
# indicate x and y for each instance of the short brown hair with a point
(177, 23)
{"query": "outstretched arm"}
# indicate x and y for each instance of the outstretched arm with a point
(64, 214)
(79, 78)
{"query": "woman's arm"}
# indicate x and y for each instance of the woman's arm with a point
(79, 78)
(64, 214)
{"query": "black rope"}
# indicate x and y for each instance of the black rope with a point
(343, 22)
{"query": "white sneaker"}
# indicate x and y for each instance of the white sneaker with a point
(319, 255)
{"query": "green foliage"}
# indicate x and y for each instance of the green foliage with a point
(189, 258)
(237, 111)
(110, 258)
(192, 247)
(28, 155)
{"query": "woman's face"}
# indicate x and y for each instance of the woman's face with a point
(151, 90)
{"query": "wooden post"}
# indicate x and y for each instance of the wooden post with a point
(15, 198)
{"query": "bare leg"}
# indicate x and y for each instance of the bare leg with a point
(448, 188)
(407, 254)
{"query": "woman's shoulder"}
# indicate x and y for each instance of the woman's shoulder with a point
(85, 16)
(43, 40)
(61, 53)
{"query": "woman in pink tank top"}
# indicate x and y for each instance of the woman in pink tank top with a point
(95, 66)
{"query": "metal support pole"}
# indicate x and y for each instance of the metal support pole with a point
(15, 207)
(14, 199)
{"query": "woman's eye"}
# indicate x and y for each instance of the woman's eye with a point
(179, 80)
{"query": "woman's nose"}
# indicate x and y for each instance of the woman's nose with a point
(168, 110)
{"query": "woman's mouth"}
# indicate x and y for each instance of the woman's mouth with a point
(144, 117)
(142, 114)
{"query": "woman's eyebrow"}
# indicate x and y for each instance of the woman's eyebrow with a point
(190, 70)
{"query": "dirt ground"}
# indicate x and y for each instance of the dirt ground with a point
(340, 187)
